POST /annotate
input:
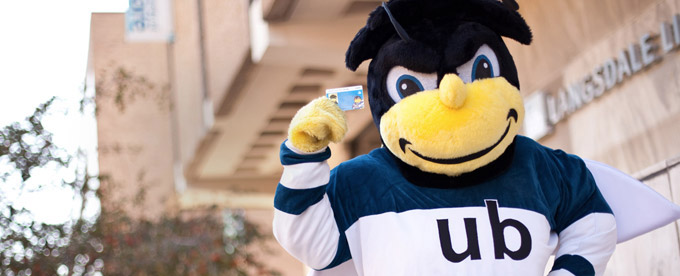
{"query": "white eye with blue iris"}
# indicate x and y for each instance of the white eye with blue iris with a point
(402, 82)
(483, 64)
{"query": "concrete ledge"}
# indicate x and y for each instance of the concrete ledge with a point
(656, 169)
(196, 198)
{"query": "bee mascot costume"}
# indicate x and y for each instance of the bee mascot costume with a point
(454, 190)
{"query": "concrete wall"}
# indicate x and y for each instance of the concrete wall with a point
(657, 252)
(227, 44)
(133, 121)
(187, 80)
(631, 126)
(211, 43)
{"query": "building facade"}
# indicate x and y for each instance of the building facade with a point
(201, 117)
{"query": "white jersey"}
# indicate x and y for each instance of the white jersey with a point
(365, 218)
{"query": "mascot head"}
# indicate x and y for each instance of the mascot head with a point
(443, 87)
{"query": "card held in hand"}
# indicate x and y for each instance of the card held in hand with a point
(348, 98)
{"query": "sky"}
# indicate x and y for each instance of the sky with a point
(43, 54)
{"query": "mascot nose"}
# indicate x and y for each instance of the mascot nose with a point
(452, 91)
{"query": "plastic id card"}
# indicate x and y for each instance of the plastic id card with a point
(348, 98)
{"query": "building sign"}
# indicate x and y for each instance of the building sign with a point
(149, 21)
(551, 108)
(536, 116)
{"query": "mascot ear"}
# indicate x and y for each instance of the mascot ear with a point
(368, 40)
(511, 4)
(360, 49)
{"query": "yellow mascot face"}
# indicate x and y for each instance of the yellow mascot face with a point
(456, 128)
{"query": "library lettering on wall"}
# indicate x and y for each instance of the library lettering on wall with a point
(545, 109)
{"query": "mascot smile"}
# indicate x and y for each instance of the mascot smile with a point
(455, 190)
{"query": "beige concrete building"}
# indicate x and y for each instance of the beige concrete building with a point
(200, 119)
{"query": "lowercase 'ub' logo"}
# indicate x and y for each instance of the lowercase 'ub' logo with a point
(497, 227)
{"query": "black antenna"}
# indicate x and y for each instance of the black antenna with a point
(400, 31)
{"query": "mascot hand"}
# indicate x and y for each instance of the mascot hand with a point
(316, 124)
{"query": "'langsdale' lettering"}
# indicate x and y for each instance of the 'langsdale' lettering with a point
(632, 59)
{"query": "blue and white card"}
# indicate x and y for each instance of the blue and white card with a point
(348, 98)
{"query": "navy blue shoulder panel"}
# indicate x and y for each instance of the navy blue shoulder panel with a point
(577, 190)
(575, 264)
(296, 201)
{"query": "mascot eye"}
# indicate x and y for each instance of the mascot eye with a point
(482, 68)
(407, 85)
(402, 82)
(483, 65)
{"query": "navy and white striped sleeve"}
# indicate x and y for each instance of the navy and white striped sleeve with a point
(585, 223)
(304, 223)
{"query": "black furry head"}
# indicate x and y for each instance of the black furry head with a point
(442, 35)
(499, 17)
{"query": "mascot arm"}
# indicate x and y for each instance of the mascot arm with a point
(584, 221)
(304, 222)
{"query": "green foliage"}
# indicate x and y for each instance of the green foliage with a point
(197, 242)
(186, 244)
(27, 145)
(121, 87)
